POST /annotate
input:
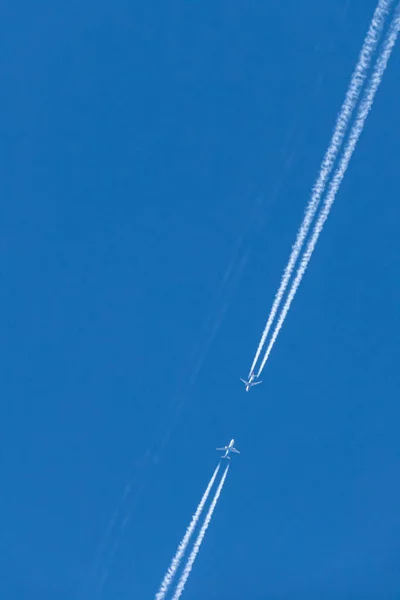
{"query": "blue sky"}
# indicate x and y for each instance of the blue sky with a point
(157, 159)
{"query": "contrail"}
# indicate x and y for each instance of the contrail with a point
(356, 83)
(169, 575)
(356, 130)
(192, 557)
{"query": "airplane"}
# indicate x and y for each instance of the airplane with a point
(250, 382)
(228, 449)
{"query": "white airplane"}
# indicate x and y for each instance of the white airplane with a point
(228, 449)
(250, 382)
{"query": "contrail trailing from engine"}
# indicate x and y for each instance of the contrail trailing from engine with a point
(170, 574)
(192, 557)
(355, 132)
(356, 83)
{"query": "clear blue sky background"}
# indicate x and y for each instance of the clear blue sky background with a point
(156, 161)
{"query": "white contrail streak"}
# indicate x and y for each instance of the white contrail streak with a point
(192, 557)
(356, 83)
(169, 575)
(356, 130)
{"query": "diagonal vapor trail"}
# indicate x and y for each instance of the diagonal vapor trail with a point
(353, 92)
(105, 553)
(170, 574)
(356, 130)
(192, 557)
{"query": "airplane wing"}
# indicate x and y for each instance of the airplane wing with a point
(221, 448)
(246, 382)
(257, 383)
(234, 450)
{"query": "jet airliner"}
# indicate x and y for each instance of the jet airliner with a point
(228, 449)
(250, 382)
